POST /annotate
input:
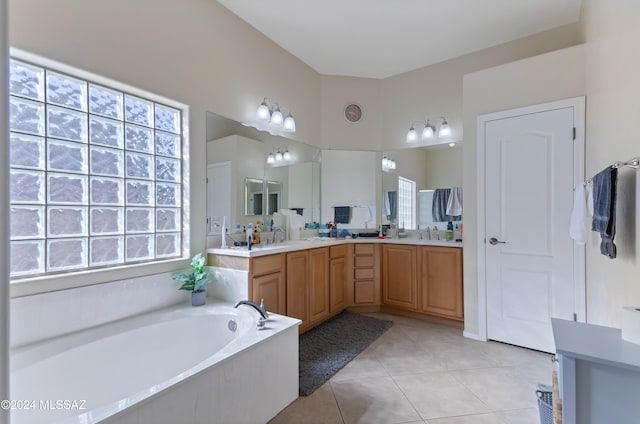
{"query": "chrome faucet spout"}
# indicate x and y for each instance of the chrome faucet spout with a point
(255, 306)
(275, 231)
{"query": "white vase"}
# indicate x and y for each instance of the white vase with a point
(198, 298)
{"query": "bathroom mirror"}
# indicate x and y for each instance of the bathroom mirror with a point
(253, 199)
(408, 190)
(237, 163)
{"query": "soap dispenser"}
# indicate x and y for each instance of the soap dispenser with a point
(448, 235)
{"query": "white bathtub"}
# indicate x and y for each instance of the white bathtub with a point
(180, 365)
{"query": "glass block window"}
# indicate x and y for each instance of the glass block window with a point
(406, 203)
(95, 176)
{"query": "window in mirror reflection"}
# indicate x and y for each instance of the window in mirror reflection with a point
(406, 203)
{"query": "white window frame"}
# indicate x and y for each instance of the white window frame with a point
(411, 215)
(23, 286)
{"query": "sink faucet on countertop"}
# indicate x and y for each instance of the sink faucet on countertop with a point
(260, 308)
(275, 231)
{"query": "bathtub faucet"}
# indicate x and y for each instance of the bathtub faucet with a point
(259, 308)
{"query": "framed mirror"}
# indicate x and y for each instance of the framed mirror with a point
(253, 196)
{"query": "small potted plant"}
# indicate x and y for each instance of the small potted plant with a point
(196, 281)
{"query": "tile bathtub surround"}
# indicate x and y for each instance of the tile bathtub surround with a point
(52, 314)
(420, 372)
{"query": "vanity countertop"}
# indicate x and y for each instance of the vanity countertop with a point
(314, 242)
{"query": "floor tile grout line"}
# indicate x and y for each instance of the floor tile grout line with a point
(335, 399)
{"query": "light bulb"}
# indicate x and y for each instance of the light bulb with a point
(428, 131)
(286, 155)
(445, 129)
(412, 135)
(289, 124)
(279, 156)
(385, 162)
(263, 111)
(452, 144)
(271, 158)
(393, 164)
(276, 117)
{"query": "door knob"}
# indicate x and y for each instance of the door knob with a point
(493, 241)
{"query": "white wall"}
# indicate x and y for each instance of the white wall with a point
(539, 79)
(613, 118)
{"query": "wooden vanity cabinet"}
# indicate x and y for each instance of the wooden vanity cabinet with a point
(338, 278)
(308, 286)
(297, 286)
(267, 281)
(366, 274)
(399, 276)
(319, 285)
(441, 281)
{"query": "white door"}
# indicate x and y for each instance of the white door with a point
(218, 196)
(529, 179)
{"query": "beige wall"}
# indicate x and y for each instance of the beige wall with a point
(390, 105)
(443, 168)
(193, 51)
(552, 76)
(613, 116)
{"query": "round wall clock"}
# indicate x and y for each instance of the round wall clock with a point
(352, 113)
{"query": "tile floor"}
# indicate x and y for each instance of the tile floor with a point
(425, 373)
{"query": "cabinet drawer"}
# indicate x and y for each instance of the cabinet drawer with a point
(266, 264)
(364, 292)
(364, 261)
(364, 249)
(338, 251)
(363, 273)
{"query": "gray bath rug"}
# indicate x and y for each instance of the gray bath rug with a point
(325, 349)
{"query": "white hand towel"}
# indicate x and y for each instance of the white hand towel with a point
(578, 223)
(454, 204)
(386, 207)
(360, 215)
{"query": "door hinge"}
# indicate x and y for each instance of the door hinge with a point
(575, 316)
(574, 133)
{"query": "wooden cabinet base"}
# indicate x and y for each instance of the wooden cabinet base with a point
(455, 323)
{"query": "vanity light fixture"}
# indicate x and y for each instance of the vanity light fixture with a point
(388, 164)
(281, 155)
(412, 135)
(289, 123)
(269, 112)
(428, 131)
(445, 129)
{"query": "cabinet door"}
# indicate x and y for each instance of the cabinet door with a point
(441, 281)
(399, 283)
(271, 288)
(318, 284)
(297, 283)
(338, 282)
